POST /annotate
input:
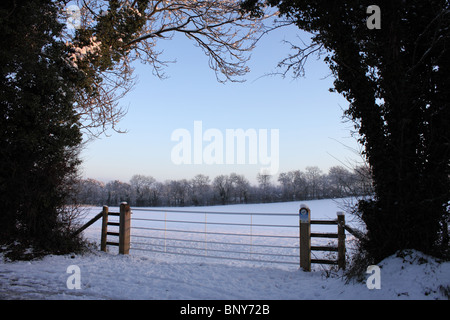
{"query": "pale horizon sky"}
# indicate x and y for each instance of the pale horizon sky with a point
(307, 116)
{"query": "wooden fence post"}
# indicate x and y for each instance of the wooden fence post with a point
(305, 237)
(124, 228)
(104, 228)
(341, 240)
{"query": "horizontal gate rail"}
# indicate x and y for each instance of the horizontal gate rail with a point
(219, 223)
(116, 224)
(218, 233)
(324, 248)
(218, 242)
(220, 250)
(218, 212)
(331, 222)
(324, 235)
(218, 257)
(323, 261)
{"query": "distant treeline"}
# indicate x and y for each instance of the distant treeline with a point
(145, 191)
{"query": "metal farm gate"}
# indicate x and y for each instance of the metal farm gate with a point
(279, 238)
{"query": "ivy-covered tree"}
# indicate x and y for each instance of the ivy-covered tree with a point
(396, 80)
(39, 130)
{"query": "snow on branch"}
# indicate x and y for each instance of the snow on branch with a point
(114, 34)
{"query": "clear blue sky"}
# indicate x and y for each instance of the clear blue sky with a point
(307, 115)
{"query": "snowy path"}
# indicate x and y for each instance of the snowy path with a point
(145, 275)
(108, 276)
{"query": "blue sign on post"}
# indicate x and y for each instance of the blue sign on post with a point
(304, 213)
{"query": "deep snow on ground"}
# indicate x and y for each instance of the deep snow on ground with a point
(107, 276)
(149, 275)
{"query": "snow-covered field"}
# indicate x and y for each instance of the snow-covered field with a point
(158, 275)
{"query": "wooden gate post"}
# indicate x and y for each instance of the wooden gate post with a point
(104, 228)
(341, 240)
(124, 228)
(305, 237)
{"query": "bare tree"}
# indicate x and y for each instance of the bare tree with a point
(339, 182)
(117, 192)
(201, 190)
(177, 192)
(292, 185)
(314, 180)
(241, 188)
(141, 189)
(114, 34)
(91, 192)
(265, 186)
(287, 187)
(222, 184)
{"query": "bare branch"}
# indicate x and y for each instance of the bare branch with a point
(219, 28)
(296, 62)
